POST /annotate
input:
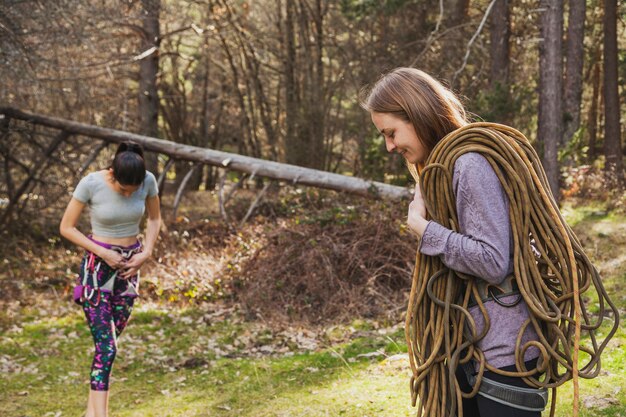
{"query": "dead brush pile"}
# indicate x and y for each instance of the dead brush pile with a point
(318, 273)
(312, 257)
(336, 258)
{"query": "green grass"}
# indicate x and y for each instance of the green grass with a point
(188, 362)
(150, 378)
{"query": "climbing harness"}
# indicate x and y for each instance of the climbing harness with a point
(132, 290)
(551, 272)
(527, 399)
(86, 291)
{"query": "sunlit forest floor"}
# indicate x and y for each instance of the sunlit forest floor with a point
(211, 358)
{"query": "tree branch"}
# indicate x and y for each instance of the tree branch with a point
(471, 42)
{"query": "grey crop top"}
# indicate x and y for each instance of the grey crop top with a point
(112, 214)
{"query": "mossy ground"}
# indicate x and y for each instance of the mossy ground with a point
(200, 362)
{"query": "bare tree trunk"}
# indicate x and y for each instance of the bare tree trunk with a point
(309, 75)
(574, 68)
(500, 33)
(456, 12)
(295, 149)
(148, 70)
(207, 101)
(216, 108)
(612, 138)
(306, 77)
(317, 119)
(593, 114)
(206, 96)
(549, 131)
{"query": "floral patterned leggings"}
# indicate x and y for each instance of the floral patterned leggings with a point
(107, 314)
(106, 322)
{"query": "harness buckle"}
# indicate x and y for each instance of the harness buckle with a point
(491, 292)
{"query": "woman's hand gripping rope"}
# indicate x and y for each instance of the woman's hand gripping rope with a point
(417, 213)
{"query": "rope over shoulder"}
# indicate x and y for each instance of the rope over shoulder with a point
(441, 334)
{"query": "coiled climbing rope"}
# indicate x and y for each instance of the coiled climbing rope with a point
(550, 268)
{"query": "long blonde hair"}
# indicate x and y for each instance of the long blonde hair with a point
(416, 97)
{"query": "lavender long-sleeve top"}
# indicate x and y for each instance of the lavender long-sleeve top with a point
(484, 249)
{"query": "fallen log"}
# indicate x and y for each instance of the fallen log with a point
(253, 166)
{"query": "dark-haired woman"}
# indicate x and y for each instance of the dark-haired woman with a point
(108, 279)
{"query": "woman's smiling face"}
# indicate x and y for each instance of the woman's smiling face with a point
(400, 137)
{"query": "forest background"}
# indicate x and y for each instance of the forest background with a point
(270, 272)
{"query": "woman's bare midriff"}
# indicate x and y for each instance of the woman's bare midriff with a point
(119, 241)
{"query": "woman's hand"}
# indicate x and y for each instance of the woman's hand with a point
(131, 267)
(112, 258)
(417, 213)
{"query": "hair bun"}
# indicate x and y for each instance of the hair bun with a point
(130, 147)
